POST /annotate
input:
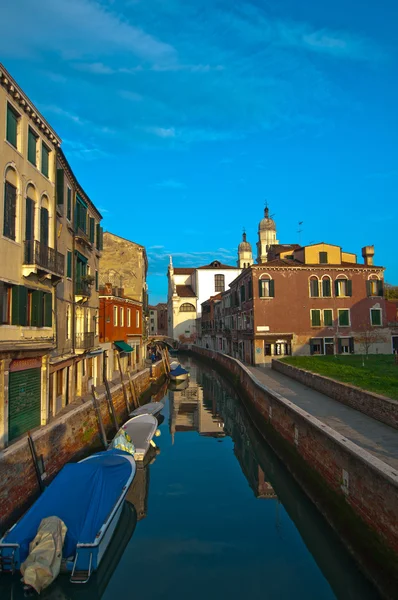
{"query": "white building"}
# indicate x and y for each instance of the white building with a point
(187, 289)
(153, 320)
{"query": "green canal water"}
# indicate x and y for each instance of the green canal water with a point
(214, 514)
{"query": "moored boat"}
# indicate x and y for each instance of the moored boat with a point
(140, 431)
(178, 374)
(152, 408)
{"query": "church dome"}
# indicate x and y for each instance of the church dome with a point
(244, 246)
(267, 224)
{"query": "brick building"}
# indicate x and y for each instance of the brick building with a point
(158, 319)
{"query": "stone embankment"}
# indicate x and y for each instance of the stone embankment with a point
(376, 406)
(356, 492)
(67, 437)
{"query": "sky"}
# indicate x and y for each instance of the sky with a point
(180, 118)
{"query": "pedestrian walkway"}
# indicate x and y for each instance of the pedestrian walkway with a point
(377, 438)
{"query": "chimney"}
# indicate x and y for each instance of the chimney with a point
(368, 253)
(108, 289)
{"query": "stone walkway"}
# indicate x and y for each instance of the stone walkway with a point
(375, 437)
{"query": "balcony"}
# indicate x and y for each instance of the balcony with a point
(43, 258)
(85, 340)
(82, 289)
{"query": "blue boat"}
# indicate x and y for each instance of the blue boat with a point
(178, 374)
(88, 497)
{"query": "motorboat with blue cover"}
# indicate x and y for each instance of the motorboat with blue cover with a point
(88, 498)
(178, 374)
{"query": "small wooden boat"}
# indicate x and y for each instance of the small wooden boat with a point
(152, 408)
(88, 497)
(141, 430)
(178, 374)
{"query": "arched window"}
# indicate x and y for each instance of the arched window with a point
(187, 307)
(374, 286)
(326, 286)
(44, 219)
(219, 283)
(10, 204)
(314, 286)
(342, 286)
(266, 287)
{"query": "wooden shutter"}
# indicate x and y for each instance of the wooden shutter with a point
(92, 230)
(32, 141)
(101, 238)
(368, 288)
(48, 310)
(44, 226)
(60, 186)
(327, 317)
(326, 291)
(29, 220)
(69, 205)
(336, 288)
(272, 288)
(69, 264)
(10, 207)
(96, 281)
(36, 314)
(380, 290)
(24, 395)
(98, 232)
(19, 305)
(349, 287)
(12, 124)
(44, 159)
(351, 342)
(316, 318)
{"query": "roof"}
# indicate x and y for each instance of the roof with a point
(64, 162)
(282, 262)
(124, 239)
(184, 270)
(216, 264)
(285, 247)
(185, 291)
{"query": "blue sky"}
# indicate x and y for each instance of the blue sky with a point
(181, 117)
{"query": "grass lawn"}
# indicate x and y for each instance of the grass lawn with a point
(379, 375)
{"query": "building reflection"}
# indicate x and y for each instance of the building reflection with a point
(139, 489)
(191, 410)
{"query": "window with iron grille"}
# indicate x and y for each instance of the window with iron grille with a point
(219, 283)
(10, 210)
(187, 307)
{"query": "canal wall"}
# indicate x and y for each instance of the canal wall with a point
(378, 407)
(70, 436)
(356, 492)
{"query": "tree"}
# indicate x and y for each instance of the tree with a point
(367, 337)
(390, 291)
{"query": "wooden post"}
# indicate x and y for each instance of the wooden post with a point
(132, 391)
(110, 403)
(100, 421)
(36, 464)
(122, 382)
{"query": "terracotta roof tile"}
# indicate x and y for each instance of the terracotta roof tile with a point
(185, 291)
(217, 265)
(184, 270)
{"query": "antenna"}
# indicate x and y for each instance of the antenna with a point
(300, 230)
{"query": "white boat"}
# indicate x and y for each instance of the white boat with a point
(178, 374)
(88, 498)
(141, 430)
(174, 364)
(152, 408)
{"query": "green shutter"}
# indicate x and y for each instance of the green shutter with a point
(92, 230)
(96, 281)
(69, 264)
(24, 394)
(344, 320)
(19, 305)
(44, 226)
(12, 125)
(375, 316)
(44, 159)
(101, 239)
(272, 288)
(97, 243)
(328, 317)
(69, 206)
(36, 314)
(32, 142)
(380, 290)
(326, 291)
(316, 318)
(336, 288)
(349, 287)
(368, 288)
(48, 310)
(60, 186)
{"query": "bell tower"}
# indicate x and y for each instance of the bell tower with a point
(266, 236)
(245, 255)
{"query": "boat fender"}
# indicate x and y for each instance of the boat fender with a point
(157, 433)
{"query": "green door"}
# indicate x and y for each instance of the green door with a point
(24, 402)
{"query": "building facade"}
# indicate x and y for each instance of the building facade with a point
(153, 320)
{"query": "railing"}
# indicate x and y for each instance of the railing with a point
(44, 257)
(82, 288)
(84, 340)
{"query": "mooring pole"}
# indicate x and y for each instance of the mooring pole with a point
(36, 463)
(119, 362)
(110, 403)
(99, 417)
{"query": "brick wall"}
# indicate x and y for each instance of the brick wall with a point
(379, 407)
(68, 437)
(356, 492)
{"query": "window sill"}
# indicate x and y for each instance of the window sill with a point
(343, 326)
(14, 148)
(266, 297)
(10, 240)
(372, 325)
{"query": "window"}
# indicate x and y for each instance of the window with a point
(129, 317)
(99, 237)
(115, 315)
(19, 305)
(186, 307)
(345, 345)
(314, 287)
(69, 204)
(267, 349)
(96, 281)
(32, 146)
(343, 287)
(121, 317)
(374, 287)
(250, 289)
(242, 293)
(12, 125)
(67, 326)
(328, 317)
(344, 317)
(219, 283)
(10, 210)
(266, 288)
(316, 346)
(5, 303)
(44, 218)
(92, 230)
(137, 319)
(315, 318)
(45, 155)
(323, 258)
(375, 316)
(81, 214)
(326, 287)
(69, 264)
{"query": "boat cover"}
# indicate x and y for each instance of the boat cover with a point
(82, 495)
(178, 371)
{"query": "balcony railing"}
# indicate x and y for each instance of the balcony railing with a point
(85, 340)
(43, 257)
(82, 288)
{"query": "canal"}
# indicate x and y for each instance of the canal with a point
(217, 515)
